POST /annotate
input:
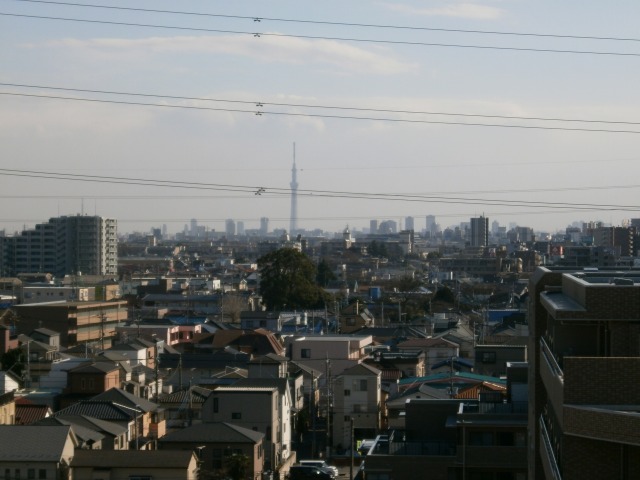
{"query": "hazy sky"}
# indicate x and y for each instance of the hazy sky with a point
(206, 151)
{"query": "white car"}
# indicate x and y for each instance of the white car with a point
(320, 464)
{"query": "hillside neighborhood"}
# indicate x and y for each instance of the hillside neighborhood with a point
(237, 358)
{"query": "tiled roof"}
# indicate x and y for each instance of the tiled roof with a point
(473, 392)
(127, 399)
(98, 367)
(27, 414)
(104, 410)
(82, 433)
(361, 369)
(19, 443)
(213, 433)
(151, 459)
(198, 395)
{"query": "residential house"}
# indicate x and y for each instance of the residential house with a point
(129, 418)
(92, 433)
(134, 464)
(354, 317)
(357, 403)
(77, 322)
(217, 442)
(475, 438)
(42, 452)
(90, 379)
(183, 408)
(49, 337)
(263, 405)
(8, 341)
(28, 413)
(271, 321)
(153, 422)
(7, 408)
(493, 359)
(275, 366)
(435, 349)
(343, 351)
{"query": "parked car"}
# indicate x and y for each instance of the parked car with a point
(308, 472)
(320, 464)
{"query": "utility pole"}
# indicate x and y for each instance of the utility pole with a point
(351, 449)
(313, 415)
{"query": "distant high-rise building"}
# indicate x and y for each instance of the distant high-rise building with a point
(388, 226)
(373, 226)
(495, 227)
(293, 221)
(64, 246)
(431, 223)
(230, 228)
(479, 232)
(193, 231)
(264, 226)
(240, 227)
(408, 223)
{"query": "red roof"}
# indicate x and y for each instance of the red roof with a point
(28, 413)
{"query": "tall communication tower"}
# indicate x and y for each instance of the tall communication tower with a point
(293, 221)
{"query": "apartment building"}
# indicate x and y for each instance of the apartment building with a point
(68, 245)
(584, 360)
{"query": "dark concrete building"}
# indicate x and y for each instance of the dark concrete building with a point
(584, 359)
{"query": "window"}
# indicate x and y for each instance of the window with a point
(7, 474)
(505, 439)
(217, 458)
(347, 393)
(359, 408)
(137, 477)
(236, 415)
(42, 474)
(488, 357)
(305, 353)
(360, 385)
(216, 405)
(31, 474)
(484, 439)
(17, 474)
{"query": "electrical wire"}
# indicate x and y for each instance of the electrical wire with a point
(324, 116)
(257, 18)
(319, 106)
(257, 34)
(314, 193)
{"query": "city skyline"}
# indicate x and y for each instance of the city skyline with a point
(192, 113)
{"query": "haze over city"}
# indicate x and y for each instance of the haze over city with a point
(191, 111)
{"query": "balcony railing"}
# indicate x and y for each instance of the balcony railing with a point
(551, 463)
(548, 355)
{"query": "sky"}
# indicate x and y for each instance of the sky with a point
(158, 112)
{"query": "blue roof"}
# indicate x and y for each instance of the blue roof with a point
(459, 375)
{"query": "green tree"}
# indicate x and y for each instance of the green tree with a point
(288, 277)
(325, 273)
(237, 466)
(14, 360)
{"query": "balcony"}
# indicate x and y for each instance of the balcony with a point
(552, 376)
(547, 454)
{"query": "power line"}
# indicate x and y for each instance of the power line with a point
(325, 116)
(314, 193)
(257, 34)
(320, 106)
(341, 24)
